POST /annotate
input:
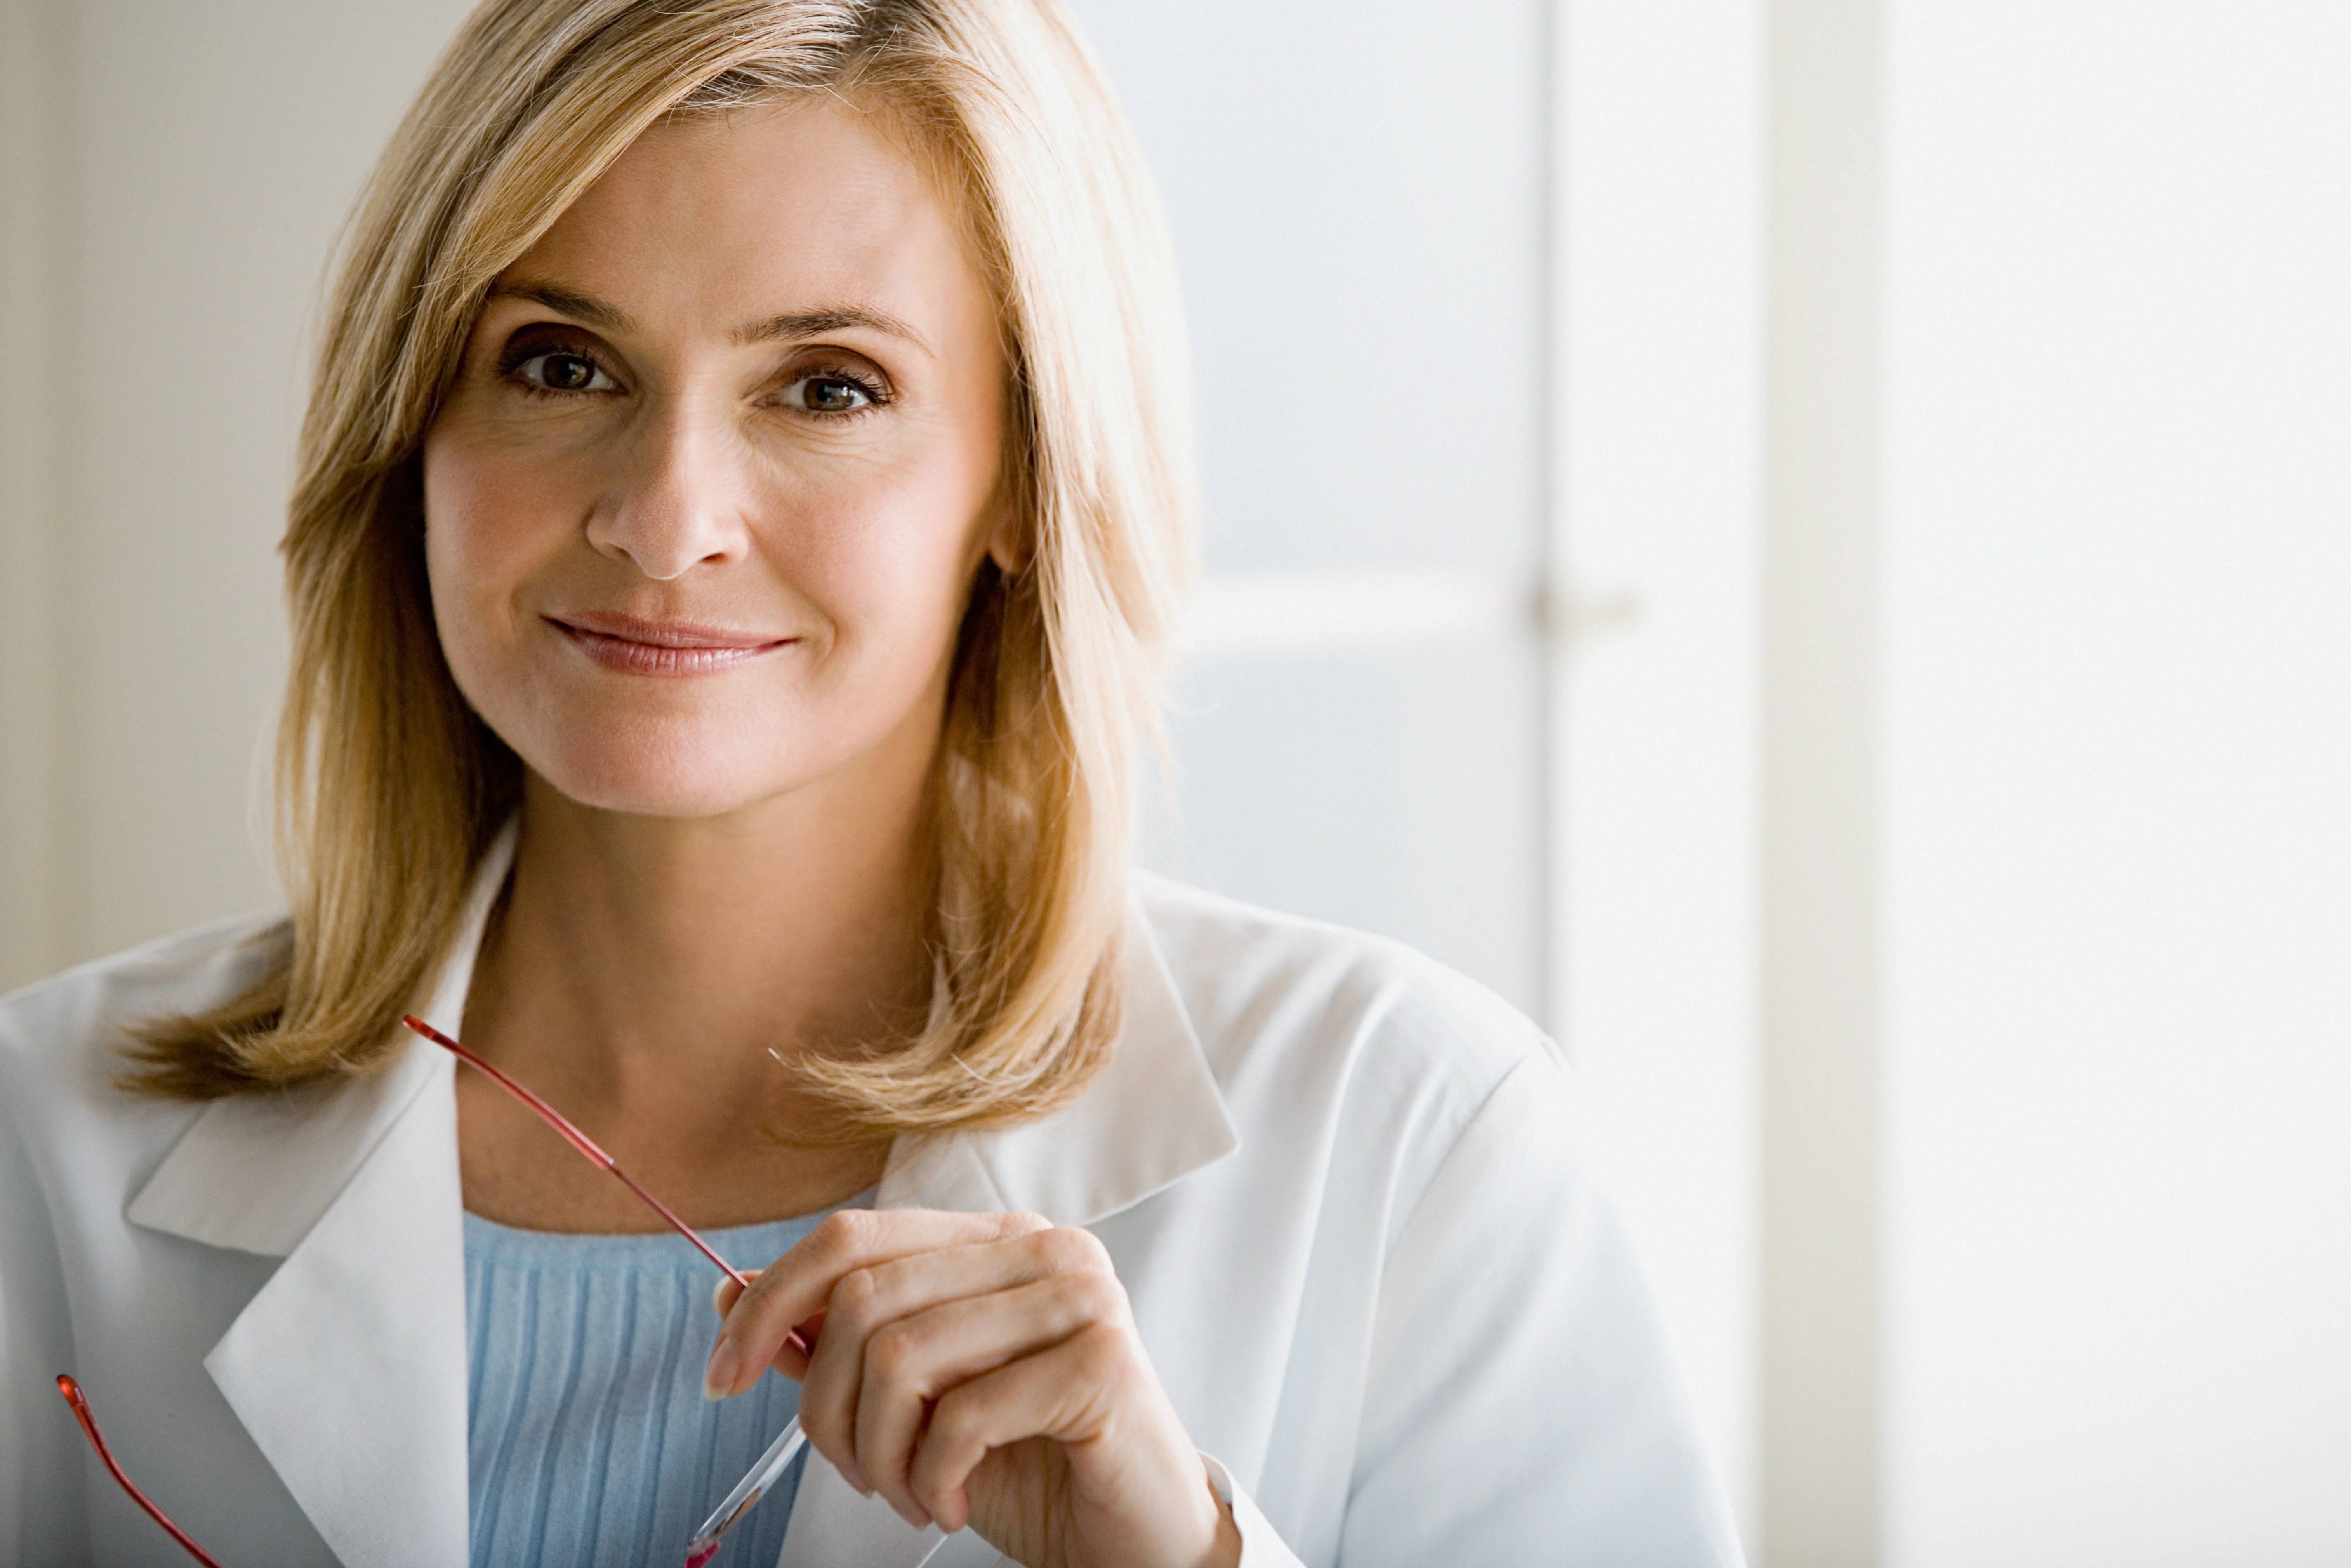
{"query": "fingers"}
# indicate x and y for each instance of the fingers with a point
(925, 1313)
(723, 1294)
(798, 1286)
(798, 1345)
(870, 1303)
(924, 1358)
(1063, 1394)
(979, 1371)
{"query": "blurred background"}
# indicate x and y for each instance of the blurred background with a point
(1805, 542)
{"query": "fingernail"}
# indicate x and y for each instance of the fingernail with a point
(725, 1365)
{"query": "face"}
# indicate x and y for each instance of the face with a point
(705, 503)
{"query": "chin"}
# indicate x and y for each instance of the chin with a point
(664, 778)
(637, 797)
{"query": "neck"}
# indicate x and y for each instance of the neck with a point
(662, 968)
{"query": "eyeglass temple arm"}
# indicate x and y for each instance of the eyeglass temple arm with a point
(572, 1135)
(72, 1390)
(592, 1150)
(578, 1140)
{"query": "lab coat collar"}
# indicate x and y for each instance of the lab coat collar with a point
(1154, 1116)
(348, 1367)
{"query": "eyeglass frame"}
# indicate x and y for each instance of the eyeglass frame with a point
(738, 1503)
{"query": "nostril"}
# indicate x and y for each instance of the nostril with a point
(665, 541)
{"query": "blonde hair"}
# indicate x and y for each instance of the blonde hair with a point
(390, 788)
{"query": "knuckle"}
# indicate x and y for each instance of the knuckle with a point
(842, 1234)
(889, 1354)
(856, 1301)
(1023, 1224)
(955, 1420)
(1098, 1297)
(758, 1302)
(1071, 1249)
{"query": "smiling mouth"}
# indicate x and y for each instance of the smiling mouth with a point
(635, 646)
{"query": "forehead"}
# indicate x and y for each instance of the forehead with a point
(730, 217)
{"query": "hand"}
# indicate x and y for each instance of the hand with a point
(982, 1370)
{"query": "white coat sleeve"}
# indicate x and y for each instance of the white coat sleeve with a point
(1261, 1546)
(1519, 1405)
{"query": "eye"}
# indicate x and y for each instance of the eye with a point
(564, 370)
(829, 392)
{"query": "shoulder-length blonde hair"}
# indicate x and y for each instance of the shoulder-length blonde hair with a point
(390, 788)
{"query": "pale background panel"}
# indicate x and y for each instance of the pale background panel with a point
(32, 182)
(211, 152)
(1356, 190)
(1658, 533)
(2118, 710)
(1364, 272)
(1394, 788)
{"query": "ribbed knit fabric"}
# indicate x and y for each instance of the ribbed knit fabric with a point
(589, 1440)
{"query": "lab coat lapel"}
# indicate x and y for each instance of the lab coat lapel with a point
(348, 1367)
(1153, 1117)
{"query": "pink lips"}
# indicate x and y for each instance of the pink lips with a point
(637, 646)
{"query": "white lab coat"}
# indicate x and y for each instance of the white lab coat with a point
(1372, 1268)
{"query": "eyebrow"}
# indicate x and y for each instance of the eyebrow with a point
(835, 318)
(789, 325)
(593, 311)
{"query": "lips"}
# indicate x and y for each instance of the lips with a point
(637, 646)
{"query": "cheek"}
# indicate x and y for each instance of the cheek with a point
(490, 520)
(890, 565)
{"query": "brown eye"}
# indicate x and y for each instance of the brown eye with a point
(559, 370)
(827, 393)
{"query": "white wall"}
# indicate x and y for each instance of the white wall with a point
(1658, 541)
(2117, 782)
(2034, 603)
(177, 175)
(1364, 273)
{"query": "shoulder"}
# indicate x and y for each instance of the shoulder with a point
(60, 1038)
(1294, 1014)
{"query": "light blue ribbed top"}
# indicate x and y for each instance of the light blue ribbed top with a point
(589, 1439)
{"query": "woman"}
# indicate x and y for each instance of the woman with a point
(742, 504)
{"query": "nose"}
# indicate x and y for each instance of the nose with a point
(681, 497)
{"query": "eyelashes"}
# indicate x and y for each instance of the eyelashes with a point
(558, 371)
(817, 385)
(833, 394)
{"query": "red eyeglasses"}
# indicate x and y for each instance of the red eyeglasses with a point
(72, 1390)
(705, 1544)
